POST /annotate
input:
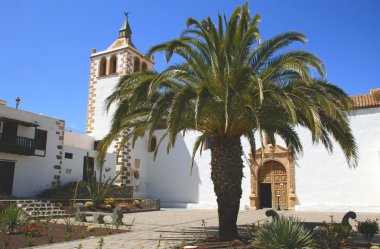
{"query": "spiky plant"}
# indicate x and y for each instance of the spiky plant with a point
(230, 85)
(98, 189)
(284, 233)
(12, 217)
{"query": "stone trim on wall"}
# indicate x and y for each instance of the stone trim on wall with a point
(123, 164)
(56, 181)
(272, 153)
(91, 98)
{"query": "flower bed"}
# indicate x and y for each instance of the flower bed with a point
(127, 205)
(55, 233)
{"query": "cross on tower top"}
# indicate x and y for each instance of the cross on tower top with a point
(125, 30)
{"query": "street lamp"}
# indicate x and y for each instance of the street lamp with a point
(18, 100)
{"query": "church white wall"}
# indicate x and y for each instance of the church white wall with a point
(325, 183)
(139, 152)
(169, 176)
(72, 169)
(78, 140)
(104, 87)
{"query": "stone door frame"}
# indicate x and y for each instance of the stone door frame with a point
(280, 155)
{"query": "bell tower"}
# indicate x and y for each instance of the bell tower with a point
(106, 69)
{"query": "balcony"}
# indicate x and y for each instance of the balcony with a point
(16, 145)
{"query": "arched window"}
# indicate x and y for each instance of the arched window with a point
(136, 64)
(144, 66)
(207, 144)
(113, 64)
(103, 67)
(152, 144)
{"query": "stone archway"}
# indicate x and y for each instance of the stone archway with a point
(276, 167)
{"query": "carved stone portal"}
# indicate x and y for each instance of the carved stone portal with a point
(275, 166)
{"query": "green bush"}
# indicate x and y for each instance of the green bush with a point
(287, 233)
(333, 235)
(136, 203)
(109, 201)
(368, 228)
(88, 204)
(90, 228)
(13, 216)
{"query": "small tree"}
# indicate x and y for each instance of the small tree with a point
(368, 229)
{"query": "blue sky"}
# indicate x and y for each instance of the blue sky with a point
(45, 45)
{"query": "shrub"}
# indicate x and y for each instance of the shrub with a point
(136, 203)
(88, 204)
(368, 228)
(4, 238)
(82, 235)
(69, 223)
(13, 216)
(333, 235)
(283, 233)
(49, 227)
(68, 236)
(90, 228)
(31, 231)
(108, 206)
(82, 217)
(109, 201)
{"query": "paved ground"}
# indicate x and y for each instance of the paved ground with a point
(172, 226)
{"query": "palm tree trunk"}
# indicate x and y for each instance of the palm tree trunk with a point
(226, 174)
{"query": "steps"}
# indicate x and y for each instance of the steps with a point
(40, 209)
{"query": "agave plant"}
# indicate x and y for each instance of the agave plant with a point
(12, 217)
(286, 233)
(98, 189)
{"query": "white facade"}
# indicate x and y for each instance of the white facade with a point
(79, 145)
(36, 170)
(324, 182)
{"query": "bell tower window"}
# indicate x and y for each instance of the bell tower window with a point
(113, 64)
(136, 64)
(144, 66)
(103, 67)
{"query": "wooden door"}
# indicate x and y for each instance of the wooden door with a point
(274, 173)
(7, 170)
(279, 185)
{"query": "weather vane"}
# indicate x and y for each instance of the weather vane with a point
(126, 14)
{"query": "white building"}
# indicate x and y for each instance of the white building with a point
(316, 180)
(36, 153)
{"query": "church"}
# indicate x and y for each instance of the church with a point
(314, 181)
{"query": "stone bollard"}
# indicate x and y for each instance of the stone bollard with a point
(80, 214)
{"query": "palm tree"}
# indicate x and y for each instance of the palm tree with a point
(231, 85)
